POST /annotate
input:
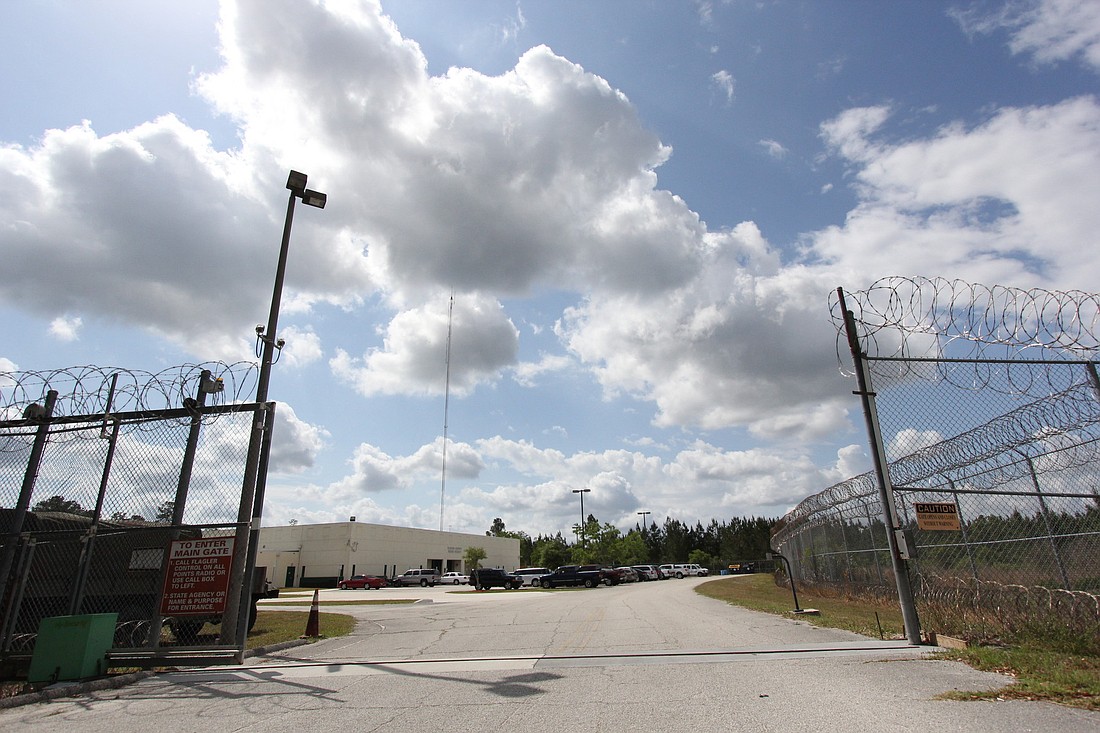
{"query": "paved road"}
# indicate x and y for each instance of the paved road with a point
(654, 656)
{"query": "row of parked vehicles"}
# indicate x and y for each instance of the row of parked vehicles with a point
(567, 575)
(593, 575)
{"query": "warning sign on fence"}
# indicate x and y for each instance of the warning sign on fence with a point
(937, 515)
(198, 577)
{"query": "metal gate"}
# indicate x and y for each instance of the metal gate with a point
(115, 500)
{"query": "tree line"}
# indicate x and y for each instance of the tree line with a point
(715, 546)
(162, 514)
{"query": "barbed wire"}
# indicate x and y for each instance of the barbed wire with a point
(1054, 434)
(84, 390)
(933, 318)
(980, 610)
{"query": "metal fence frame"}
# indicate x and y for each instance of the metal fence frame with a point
(61, 451)
(1025, 479)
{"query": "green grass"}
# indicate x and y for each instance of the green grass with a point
(273, 627)
(1041, 674)
(760, 593)
(1047, 667)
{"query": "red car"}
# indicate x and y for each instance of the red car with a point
(363, 581)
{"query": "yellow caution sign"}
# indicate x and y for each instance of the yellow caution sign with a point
(937, 515)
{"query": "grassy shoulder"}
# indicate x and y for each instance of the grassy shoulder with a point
(1045, 667)
(275, 627)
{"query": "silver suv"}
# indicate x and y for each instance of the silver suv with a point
(423, 577)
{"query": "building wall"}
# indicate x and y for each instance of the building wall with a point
(320, 552)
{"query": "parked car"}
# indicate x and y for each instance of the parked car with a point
(363, 581)
(423, 577)
(698, 570)
(531, 575)
(486, 578)
(647, 572)
(572, 575)
(627, 574)
(454, 578)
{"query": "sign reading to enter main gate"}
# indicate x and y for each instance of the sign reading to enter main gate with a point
(198, 577)
(937, 515)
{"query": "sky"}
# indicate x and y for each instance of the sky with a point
(641, 209)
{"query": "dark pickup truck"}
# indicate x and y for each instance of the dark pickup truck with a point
(486, 578)
(572, 575)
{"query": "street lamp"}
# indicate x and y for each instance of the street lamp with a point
(582, 492)
(296, 184)
(246, 543)
(643, 519)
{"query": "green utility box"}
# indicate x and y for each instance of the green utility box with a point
(72, 647)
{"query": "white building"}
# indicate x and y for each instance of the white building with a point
(323, 554)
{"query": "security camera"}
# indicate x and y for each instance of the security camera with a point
(259, 329)
(279, 343)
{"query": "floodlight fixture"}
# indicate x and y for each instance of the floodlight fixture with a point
(314, 198)
(296, 182)
(582, 492)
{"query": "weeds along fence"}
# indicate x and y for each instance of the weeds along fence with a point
(986, 416)
(101, 470)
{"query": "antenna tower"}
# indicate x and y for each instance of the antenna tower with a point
(446, 407)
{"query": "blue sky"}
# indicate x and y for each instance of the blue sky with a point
(642, 209)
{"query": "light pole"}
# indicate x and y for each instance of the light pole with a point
(296, 183)
(643, 519)
(582, 492)
(246, 542)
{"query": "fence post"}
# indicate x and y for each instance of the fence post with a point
(1046, 521)
(874, 550)
(179, 503)
(813, 556)
(252, 550)
(87, 551)
(30, 476)
(962, 530)
(882, 472)
(905, 501)
(1094, 379)
(844, 541)
(799, 552)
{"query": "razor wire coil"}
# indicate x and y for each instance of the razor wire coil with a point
(86, 390)
(926, 326)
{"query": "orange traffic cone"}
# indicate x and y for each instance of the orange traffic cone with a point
(313, 625)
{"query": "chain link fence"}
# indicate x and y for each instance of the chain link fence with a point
(989, 420)
(98, 481)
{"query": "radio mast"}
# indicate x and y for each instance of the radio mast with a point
(446, 407)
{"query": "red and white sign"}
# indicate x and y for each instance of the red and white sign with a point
(198, 577)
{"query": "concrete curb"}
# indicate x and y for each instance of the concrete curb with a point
(76, 688)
